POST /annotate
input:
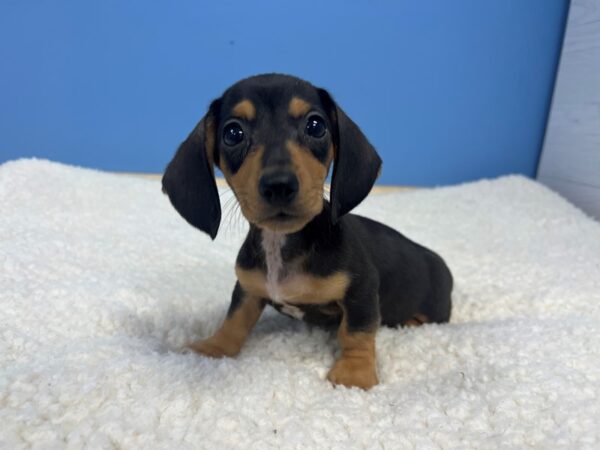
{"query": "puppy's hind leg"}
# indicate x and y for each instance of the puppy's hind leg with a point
(417, 320)
(436, 304)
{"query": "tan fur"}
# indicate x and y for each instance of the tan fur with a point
(245, 183)
(298, 107)
(244, 110)
(311, 175)
(228, 339)
(357, 365)
(299, 288)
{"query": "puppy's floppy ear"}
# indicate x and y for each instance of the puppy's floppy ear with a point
(356, 165)
(189, 179)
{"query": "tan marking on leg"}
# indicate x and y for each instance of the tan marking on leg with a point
(297, 289)
(357, 365)
(253, 281)
(417, 320)
(228, 339)
(298, 107)
(244, 110)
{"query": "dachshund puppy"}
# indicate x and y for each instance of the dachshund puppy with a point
(274, 137)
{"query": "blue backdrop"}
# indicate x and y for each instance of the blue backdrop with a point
(446, 90)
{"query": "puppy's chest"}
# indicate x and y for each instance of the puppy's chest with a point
(287, 282)
(278, 276)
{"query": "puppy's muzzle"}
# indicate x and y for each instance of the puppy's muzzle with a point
(278, 188)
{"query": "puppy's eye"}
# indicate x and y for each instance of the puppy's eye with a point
(315, 126)
(233, 134)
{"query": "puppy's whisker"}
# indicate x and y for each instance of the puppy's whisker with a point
(233, 222)
(230, 201)
(228, 206)
(228, 212)
(240, 222)
(232, 216)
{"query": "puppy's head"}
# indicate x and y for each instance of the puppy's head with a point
(274, 138)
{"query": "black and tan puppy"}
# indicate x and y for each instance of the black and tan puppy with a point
(274, 138)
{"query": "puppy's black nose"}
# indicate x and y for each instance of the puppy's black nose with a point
(278, 188)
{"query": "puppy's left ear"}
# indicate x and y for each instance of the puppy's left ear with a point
(356, 165)
(189, 179)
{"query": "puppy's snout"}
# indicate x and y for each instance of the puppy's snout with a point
(278, 188)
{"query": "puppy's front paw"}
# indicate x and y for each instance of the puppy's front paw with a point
(360, 372)
(213, 348)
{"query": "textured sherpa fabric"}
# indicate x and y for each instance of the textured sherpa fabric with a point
(102, 283)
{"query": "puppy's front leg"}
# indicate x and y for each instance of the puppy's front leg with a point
(357, 364)
(243, 314)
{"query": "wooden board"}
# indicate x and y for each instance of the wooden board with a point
(570, 161)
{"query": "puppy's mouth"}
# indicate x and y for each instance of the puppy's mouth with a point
(283, 216)
(283, 221)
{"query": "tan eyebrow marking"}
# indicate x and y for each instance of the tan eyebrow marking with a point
(245, 110)
(298, 107)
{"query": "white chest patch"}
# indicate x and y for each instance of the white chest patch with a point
(272, 244)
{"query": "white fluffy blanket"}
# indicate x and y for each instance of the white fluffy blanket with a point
(101, 284)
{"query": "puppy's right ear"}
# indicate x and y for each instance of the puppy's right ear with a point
(189, 179)
(356, 165)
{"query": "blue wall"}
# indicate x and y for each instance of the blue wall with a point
(446, 90)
